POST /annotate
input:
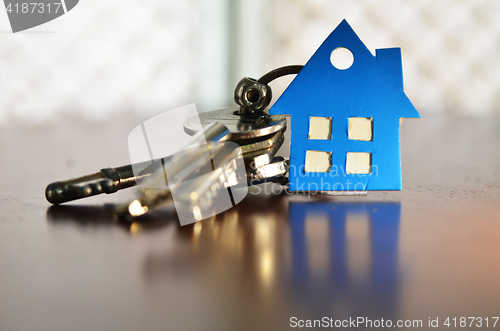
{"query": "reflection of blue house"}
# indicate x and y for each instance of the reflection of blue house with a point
(345, 122)
(378, 296)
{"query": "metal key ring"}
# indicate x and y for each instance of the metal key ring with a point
(255, 95)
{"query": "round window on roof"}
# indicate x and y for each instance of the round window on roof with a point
(342, 58)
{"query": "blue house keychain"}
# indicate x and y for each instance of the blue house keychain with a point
(345, 122)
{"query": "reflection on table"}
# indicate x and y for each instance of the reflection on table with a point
(312, 258)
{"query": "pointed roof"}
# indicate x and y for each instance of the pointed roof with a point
(371, 82)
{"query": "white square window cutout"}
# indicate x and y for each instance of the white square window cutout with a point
(320, 128)
(360, 128)
(358, 163)
(317, 161)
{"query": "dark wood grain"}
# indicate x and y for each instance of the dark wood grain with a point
(431, 250)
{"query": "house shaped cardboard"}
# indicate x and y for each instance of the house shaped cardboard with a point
(345, 122)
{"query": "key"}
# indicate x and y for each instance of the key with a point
(110, 180)
(203, 190)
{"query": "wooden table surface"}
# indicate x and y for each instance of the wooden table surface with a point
(431, 250)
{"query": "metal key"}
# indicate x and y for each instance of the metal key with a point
(257, 154)
(110, 180)
(204, 190)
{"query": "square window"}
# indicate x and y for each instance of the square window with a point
(360, 128)
(320, 128)
(317, 161)
(358, 163)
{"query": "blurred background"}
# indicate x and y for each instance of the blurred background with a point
(139, 58)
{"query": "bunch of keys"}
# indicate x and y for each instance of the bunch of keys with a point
(240, 150)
